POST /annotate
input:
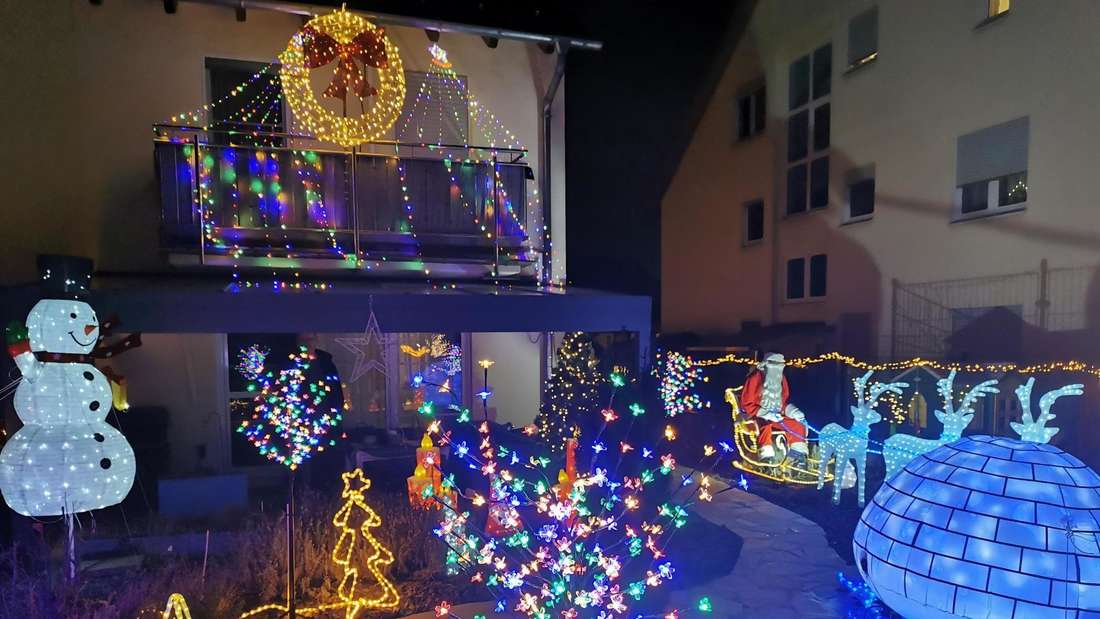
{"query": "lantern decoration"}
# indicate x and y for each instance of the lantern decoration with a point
(349, 41)
(66, 458)
(426, 483)
(987, 527)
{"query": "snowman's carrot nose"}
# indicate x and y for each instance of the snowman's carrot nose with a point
(88, 329)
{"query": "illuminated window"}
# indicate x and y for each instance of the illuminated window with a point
(991, 170)
(808, 131)
(754, 221)
(999, 7)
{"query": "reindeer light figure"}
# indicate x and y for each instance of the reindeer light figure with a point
(901, 448)
(1034, 429)
(851, 444)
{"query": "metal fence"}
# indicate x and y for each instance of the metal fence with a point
(925, 314)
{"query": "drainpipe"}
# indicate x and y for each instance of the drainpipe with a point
(547, 142)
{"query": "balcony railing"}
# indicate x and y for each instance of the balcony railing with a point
(269, 199)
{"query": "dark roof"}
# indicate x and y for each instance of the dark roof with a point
(546, 17)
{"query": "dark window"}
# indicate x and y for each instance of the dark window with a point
(256, 107)
(796, 189)
(241, 405)
(819, 183)
(823, 70)
(863, 36)
(975, 196)
(751, 114)
(1013, 188)
(821, 127)
(798, 134)
(819, 267)
(799, 82)
(861, 198)
(796, 278)
(754, 221)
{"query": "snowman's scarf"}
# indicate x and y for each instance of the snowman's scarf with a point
(101, 350)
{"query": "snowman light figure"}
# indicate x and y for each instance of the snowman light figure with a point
(65, 459)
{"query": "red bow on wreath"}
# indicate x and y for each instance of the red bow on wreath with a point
(368, 47)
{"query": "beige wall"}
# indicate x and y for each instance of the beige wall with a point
(936, 77)
(82, 85)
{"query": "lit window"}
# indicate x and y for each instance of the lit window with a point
(991, 170)
(999, 7)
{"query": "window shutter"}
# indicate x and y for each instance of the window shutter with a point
(863, 35)
(991, 152)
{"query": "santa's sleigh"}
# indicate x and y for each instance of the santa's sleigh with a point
(746, 434)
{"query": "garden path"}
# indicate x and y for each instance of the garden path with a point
(785, 568)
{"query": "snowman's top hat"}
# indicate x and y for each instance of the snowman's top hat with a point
(64, 277)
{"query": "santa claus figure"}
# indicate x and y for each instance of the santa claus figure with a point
(764, 398)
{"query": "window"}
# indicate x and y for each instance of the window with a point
(863, 38)
(861, 199)
(241, 407)
(818, 271)
(808, 131)
(817, 277)
(751, 114)
(436, 110)
(257, 106)
(796, 278)
(991, 170)
(998, 7)
(754, 221)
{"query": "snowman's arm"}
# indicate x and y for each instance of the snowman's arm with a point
(25, 360)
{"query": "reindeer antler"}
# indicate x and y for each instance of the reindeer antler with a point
(1035, 430)
(861, 384)
(980, 390)
(878, 389)
(946, 386)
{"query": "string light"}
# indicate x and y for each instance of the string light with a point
(176, 608)
(378, 557)
(679, 375)
(918, 362)
(333, 36)
(572, 390)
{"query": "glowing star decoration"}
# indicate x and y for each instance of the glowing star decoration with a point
(901, 448)
(367, 349)
(439, 56)
(292, 415)
(349, 41)
(66, 458)
(679, 378)
(250, 361)
(850, 444)
(992, 527)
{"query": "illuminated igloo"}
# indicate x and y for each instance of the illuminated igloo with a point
(985, 527)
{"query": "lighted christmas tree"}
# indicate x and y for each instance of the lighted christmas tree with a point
(376, 557)
(572, 390)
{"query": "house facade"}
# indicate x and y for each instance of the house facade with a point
(158, 143)
(887, 192)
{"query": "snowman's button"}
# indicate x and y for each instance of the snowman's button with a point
(88, 376)
(94, 405)
(105, 463)
(99, 438)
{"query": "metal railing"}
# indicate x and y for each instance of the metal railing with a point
(253, 193)
(926, 314)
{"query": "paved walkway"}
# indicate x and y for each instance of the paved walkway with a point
(785, 569)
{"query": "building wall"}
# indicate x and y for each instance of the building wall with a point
(514, 377)
(77, 127)
(937, 76)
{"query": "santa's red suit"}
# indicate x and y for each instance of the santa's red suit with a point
(766, 401)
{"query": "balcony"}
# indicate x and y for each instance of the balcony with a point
(272, 200)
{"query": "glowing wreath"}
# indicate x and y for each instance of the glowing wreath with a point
(349, 41)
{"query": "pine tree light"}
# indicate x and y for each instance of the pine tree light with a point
(572, 390)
